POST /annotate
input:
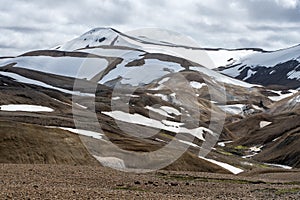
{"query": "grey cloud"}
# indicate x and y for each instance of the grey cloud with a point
(27, 25)
(274, 28)
(21, 29)
(269, 10)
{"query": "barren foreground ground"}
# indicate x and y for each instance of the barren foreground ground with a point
(87, 182)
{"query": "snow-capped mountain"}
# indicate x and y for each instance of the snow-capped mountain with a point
(96, 37)
(147, 85)
(127, 56)
(110, 38)
(276, 68)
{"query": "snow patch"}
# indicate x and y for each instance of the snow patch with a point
(170, 110)
(221, 78)
(230, 168)
(63, 66)
(249, 156)
(270, 59)
(81, 106)
(164, 80)
(23, 79)
(282, 96)
(83, 132)
(115, 98)
(111, 162)
(256, 149)
(272, 72)
(196, 85)
(263, 124)
(226, 57)
(279, 166)
(25, 108)
(171, 126)
(139, 75)
(223, 144)
(159, 111)
(250, 73)
(189, 143)
(234, 109)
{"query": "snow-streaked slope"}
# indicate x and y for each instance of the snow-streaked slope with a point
(152, 69)
(221, 78)
(63, 66)
(225, 57)
(171, 126)
(281, 95)
(112, 51)
(23, 79)
(280, 67)
(164, 111)
(270, 59)
(107, 41)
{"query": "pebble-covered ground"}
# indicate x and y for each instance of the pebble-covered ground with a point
(87, 182)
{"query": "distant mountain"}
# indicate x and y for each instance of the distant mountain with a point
(276, 68)
(132, 82)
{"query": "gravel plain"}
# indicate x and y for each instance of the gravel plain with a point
(22, 181)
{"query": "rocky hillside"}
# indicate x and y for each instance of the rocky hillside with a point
(134, 108)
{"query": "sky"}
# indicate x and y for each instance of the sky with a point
(41, 24)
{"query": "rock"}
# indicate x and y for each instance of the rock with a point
(174, 184)
(137, 182)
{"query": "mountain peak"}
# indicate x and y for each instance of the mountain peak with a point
(94, 37)
(100, 30)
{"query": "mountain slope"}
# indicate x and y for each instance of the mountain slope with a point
(142, 98)
(276, 68)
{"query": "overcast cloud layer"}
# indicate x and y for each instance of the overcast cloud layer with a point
(40, 24)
